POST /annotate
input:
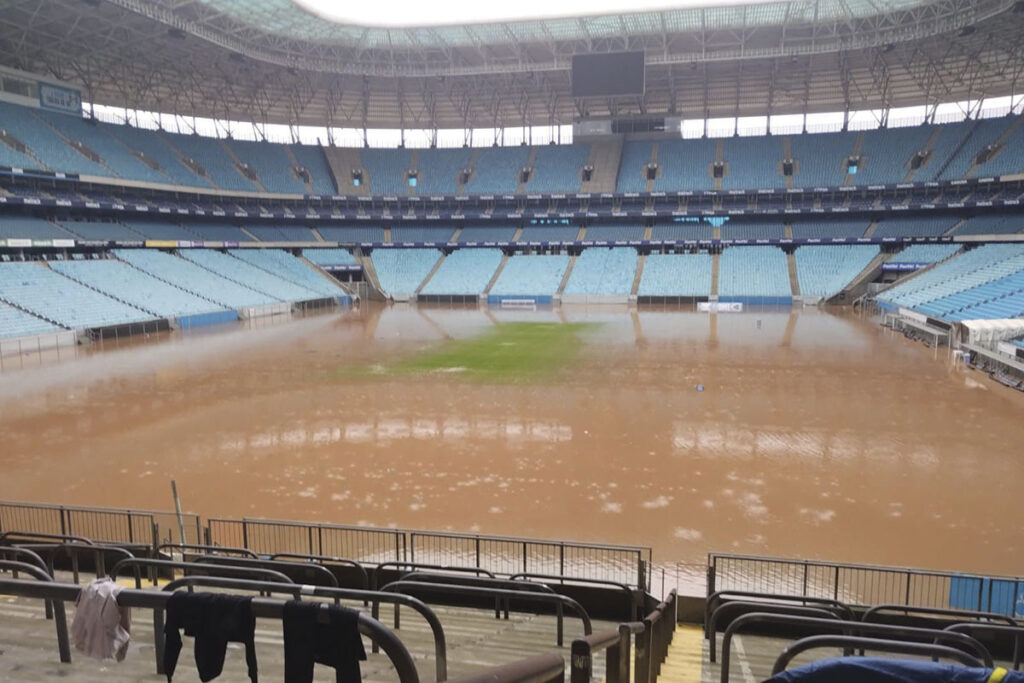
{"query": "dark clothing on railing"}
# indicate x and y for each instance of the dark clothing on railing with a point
(874, 670)
(324, 634)
(213, 620)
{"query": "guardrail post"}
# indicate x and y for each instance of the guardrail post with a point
(622, 671)
(561, 558)
(131, 531)
(581, 664)
(805, 579)
(412, 546)
(612, 658)
(245, 534)
(63, 521)
(476, 543)
(558, 609)
(642, 663)
(309, 535)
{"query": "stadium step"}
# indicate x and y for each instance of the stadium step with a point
(794, 276)
(238, 163)
(521, 188)
(714, 273)
(296, 164)
(568, 274)
(871, 229)
(641, 260)
(653, 160)
(342, 161)
(605, 157)
(999, 143)
(855, 152)
(431, 273)
(461, 189)
(246, 231)
(928, 146)
(501, 267)
(685, 659)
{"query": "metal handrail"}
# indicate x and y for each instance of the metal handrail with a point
(29, 536)
(718, 597)
(1016, 631)
(651, 650)
(879, 645)
(486, 582)
(398, 564)
(245, 552)
(17, 550)
(138, 563)
(451, 589)
(632, 593)
(546, 668)
(848, 628)
(377, 597)
(279, 565)
(325, 560)
(261, 608)
(958, 614)
(60, 619)
(762, 607)
(73, 550)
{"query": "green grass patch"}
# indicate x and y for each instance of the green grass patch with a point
(510, 353)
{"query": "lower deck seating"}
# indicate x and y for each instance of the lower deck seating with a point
(683, 231)
(402, 271)
(351, 235)
(686, 275)
(824, 271)
(422, 234)
(759, 272)
(925, 253)
(916, 226)
(966, 271)
(612, 233)
(101, 231)
(193, 278)
(47, 294)
(28, 227)
(217, 232)
(118, 279)
(159, 230)
(249, 275)
(752, 230)
(829, 228)
(996, 224)
(17, 323)
(487, 233)
(600, 271)
(465, 272)
(549, 233)
(287, 267)
(330, 257)
(531, 275)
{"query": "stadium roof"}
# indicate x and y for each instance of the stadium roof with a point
(272, 61)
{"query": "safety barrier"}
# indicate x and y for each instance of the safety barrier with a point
(856, 584)
(148, 527)
(269, 536)
(902, 647)
(262, 609)
(847, 628)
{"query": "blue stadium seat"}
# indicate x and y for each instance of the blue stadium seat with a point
(465, 272)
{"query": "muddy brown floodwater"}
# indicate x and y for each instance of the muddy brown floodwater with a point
(819, 434)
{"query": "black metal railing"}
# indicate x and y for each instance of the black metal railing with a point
(854, 584)
(272, 537)
(128, 526)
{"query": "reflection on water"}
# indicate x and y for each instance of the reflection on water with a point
(817, 434)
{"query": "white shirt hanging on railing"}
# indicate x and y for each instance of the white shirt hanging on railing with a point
(101, 628)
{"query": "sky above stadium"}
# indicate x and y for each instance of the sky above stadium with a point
(412, 13)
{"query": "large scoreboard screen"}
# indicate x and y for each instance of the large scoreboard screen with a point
(610, 74)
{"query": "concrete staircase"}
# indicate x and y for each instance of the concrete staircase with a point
(720, 158)
(497, 273)
(653, 160)
(715, 259)
(928, 145)
(859, 285)
(431, 273)
(944, 163)
(80, 147)
(605, 157)
(641, 260)
(871, 229)
(239, 164)
(370, 273)
(794, 277)
(521, 188)
(190, 165)
(855, 152)
(685, 659)
(414, 160)
(787, 153)
(246, 231)
(19, 146)
(341, 161)
(461, 189)
(568, 274)
(296, 164)
(1000, 143)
